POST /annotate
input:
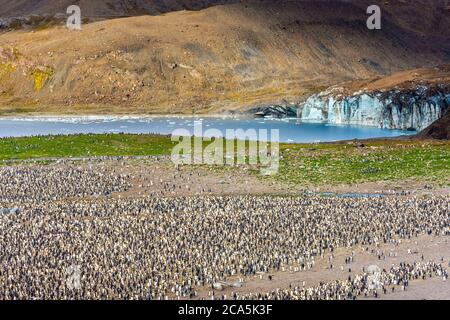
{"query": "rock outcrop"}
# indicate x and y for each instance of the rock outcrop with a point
(410, 109)
(276, 111)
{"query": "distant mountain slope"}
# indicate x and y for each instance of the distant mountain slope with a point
(102, 8)
(216, 59)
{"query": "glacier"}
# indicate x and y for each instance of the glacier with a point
(413, 109)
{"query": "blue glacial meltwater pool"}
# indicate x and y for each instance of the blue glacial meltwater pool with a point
(290, 130)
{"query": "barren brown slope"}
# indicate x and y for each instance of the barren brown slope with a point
(436, 78)
(216, 59)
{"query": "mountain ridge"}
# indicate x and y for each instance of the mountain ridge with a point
(97, 10)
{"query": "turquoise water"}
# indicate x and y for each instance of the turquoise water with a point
(290, 130)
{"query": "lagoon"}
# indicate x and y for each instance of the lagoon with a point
(290, 130)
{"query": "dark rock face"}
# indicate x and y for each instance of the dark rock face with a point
(275, 111)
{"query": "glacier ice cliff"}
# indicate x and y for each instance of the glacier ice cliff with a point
(412, 109)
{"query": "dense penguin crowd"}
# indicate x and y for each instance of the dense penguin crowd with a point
(168, 248)
(42, 183)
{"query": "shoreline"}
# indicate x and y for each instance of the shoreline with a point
(400, 138)
(43, 117)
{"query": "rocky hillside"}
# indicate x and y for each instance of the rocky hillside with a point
(221, 58)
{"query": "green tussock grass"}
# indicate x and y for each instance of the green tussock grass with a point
(302, 164)
(331, 164)
(86, 145)
(83, 146)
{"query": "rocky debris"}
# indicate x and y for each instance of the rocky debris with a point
(276, 111)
